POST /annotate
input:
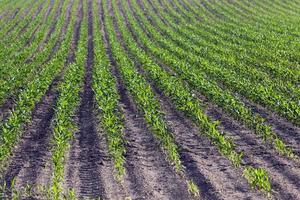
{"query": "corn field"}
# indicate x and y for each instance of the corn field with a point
(163, 99)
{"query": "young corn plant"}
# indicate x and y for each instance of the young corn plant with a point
(258, 178)
(63, 123)
(107, 98)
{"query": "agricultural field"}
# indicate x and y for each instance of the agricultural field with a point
(142, 99)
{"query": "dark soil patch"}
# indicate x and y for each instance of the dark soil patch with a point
(5, 108)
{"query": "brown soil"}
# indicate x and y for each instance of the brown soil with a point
(5, 108)
(284, 173)
(214, 174)
(31, 154)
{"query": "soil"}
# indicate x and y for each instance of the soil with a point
(31, 154)
(287, 131)
(284, 172)
(149, 175)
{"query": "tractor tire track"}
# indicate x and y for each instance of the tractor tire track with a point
(85, 156)
(31, 154)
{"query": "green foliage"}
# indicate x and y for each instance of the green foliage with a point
(258, 178)
(107, 97)
(193, 189)
(63, 123)
(11, 129)
(18, 72)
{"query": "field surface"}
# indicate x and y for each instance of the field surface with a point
(142, 99)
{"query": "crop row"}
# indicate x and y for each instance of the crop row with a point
(107, 98)
(198, 81)
(260, 94)
(9, 10)
(277, 102)
(12, 129)
(16, 53)
(142, 94)
(64, 125)
(23, 73)
(28, 8)
(182, 98)
(205, 43)
(221, 34)
(261, 39)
